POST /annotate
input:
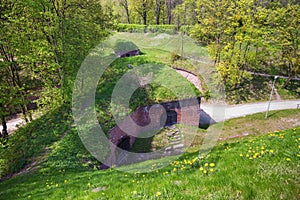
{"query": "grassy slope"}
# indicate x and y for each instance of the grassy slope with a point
(238, 172)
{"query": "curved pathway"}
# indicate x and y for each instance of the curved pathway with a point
(224, 112)
(191, 78)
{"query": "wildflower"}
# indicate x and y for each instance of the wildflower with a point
(212, 164)
(158, 194)
(174, 170)
(241, 155)
(206, 164)
(288, 159)
(65, 181)
(201, 168)
(204, 171)
(134, 192)
(211, 169)
(56, 185)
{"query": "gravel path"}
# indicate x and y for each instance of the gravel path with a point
(192, 78)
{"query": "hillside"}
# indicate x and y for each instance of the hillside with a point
(65, 170)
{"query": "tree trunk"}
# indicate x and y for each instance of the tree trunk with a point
(157, 11)
(287, 82)
(169, 11)
(124, 4)
(4, 130)
(145, 17)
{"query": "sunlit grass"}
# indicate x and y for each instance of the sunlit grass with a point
(263, 167)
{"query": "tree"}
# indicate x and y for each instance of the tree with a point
(158, 10)
(124, 4)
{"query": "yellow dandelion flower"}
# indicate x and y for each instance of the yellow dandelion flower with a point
(212, 164)
(201, 168)
(56, 185)
(65, 181)
(134, 192)
(271, 151)
(204, 171)
(206, 164)
(174, 170)
(158, 194)
(241, 155)
(288, 159)
(211, 169)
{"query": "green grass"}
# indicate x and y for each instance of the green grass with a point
(263, 167)
(29, 142)
(142, 96)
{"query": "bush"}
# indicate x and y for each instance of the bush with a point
(170, 29)
(186, 29)
(136, 28)
(132, 28)
(175, 57)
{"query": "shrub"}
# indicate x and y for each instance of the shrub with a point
(169, 29)
(136, 28)
(132, 28)
(175, 57)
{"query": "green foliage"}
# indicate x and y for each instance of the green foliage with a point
(136, 28)
(175, 57)
(247, 36)
(131, 28)
(169, 29)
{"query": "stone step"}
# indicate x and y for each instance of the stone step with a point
(175, 142)
(178, 146)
